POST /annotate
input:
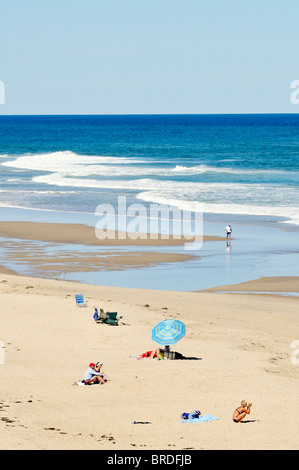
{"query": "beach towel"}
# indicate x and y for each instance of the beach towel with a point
(80, 384)
(201, 419)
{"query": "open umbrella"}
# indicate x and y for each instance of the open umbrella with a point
(168, 332)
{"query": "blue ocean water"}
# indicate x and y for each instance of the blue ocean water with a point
(242, 169)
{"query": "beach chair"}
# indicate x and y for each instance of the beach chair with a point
(112, 318)
(80, 301)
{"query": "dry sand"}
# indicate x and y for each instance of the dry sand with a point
(239, 348)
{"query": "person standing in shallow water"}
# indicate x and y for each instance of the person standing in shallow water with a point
(228, 232)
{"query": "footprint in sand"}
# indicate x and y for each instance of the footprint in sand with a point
(55, 429)
(109, 438)
(7, 420)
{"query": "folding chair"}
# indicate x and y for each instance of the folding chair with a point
(112, 320)
(80, 301)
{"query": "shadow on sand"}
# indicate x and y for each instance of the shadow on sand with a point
(249, 421)
(179, 356)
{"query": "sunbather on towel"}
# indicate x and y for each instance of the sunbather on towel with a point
(241, 411)
(159, 353)
(150, 354)
(95, 375)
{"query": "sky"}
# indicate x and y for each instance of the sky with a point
(148, 56)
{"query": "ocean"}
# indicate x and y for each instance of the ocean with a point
(238, 169)
(243, 167)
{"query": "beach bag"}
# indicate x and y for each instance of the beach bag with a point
(170, 355)
(92, 381)
(193, 415)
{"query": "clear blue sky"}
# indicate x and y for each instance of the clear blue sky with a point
(148, 56)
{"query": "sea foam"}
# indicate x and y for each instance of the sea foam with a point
(161, 183)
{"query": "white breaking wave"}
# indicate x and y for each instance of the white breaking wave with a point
(207, 197)
(61, 179)
(68, 169)
(62, 161)
(287, 212)
(73, 164)
(181, 189)
(198, 169)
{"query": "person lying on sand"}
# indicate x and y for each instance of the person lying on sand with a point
(154, 353)
(241, 411)
(158, 353)
(94, 374)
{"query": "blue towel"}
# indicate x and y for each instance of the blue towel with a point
(201, 419)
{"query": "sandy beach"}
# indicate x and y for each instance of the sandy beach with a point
(236, 347)
(149, 161)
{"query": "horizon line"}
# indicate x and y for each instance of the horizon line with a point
(156, 114)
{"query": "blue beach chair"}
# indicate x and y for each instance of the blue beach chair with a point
(80, 301)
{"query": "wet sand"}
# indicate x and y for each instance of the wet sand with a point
(87, 235)
(265, 284)
(22, 243)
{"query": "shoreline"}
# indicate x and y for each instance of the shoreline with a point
(262, 285)
(69, 251)
(275, 285)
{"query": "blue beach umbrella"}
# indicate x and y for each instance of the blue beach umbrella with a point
(168, 332)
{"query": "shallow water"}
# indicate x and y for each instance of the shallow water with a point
(255, 251)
